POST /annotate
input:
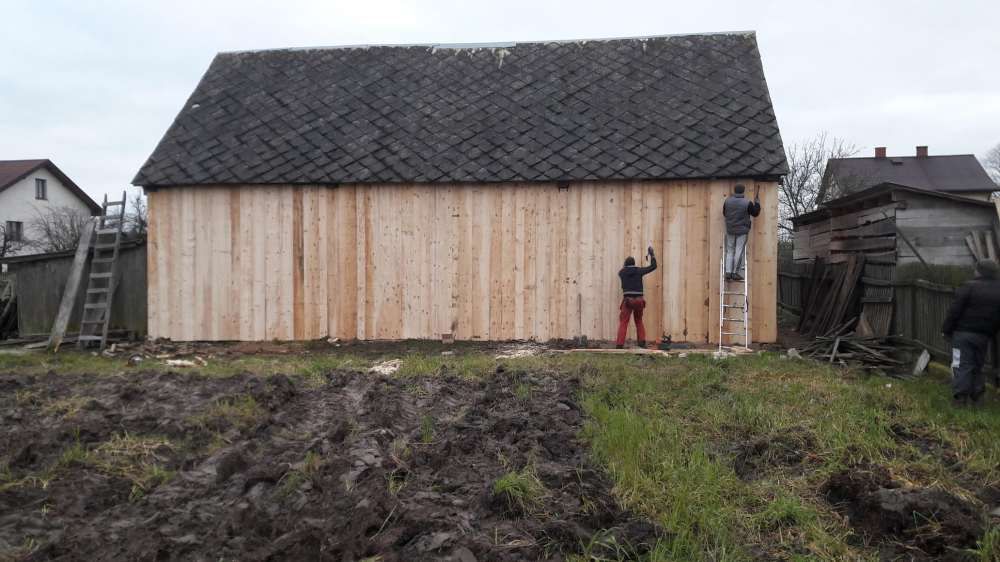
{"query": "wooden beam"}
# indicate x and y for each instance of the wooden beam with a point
(72, 286)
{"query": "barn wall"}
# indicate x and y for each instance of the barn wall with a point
(938, 227)
(489, 262)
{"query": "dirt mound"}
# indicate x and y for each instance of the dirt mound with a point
(918, 523)
(179, 467)
(785, 448)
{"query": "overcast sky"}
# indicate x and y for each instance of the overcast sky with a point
(94, 85)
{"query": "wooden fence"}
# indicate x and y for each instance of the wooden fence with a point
(41, 280)
(919, 308)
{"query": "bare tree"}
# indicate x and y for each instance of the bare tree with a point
(991, 161)
(57, 229)
(803, 189)
(137, 215)
(10, 242)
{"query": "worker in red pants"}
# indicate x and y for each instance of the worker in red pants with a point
(632, 300)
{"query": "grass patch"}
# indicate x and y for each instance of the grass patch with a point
(241, 412)
(521, 490)
(303, 471)
(669, 432)
(426, 429)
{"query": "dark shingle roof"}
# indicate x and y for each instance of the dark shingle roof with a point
(12, 171)
(957, 173)
(690, 106)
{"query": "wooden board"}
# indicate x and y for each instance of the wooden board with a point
(488, 262)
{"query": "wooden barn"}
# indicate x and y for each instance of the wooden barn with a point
(903, 224)
(490, 192)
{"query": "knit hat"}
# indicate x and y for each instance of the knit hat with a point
(988, 269)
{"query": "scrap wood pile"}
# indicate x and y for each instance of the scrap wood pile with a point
(835, 290)
(849, 348)
(8, 309)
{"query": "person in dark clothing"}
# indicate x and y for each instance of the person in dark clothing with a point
(737, 210)
(632, 298)
(973, 320)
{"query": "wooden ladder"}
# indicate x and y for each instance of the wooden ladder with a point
(103, 280)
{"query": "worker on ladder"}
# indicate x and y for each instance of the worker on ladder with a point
(737, 210)
(633, 302)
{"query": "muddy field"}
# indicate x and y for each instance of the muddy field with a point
(344, 466)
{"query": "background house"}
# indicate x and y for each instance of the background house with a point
(958, 174)
(28, 187)
(490, 192)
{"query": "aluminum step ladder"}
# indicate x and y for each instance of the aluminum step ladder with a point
(103, 279)
(734, 303)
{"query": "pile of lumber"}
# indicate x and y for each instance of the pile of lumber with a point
(867, 352)
(8, 309)
(834, 293)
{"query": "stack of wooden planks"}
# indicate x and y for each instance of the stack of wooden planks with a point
(8, 308)
(834, 293)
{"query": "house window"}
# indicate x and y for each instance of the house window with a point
(15, 231)
(41, 189)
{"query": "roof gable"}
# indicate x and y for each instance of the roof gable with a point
(953, 173)
(665, 107)
(13, 171)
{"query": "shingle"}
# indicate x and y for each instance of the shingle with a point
(632, 108)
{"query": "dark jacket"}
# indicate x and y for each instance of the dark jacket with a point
(631, 277)
(976, 308)
(738, 209)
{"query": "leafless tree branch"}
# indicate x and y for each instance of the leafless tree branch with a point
(803, 189)
(57, 229)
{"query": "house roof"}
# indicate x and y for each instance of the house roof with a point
(13, 171)
(690, 106)
(955, 173)
(875, 191)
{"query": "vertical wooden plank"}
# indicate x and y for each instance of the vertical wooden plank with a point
(652, 234)
(718, 191)
(696, 263)
(674, 258)
(564, 279)
(764, 264)
(152, 267)
(485, 296)
(298, 263)
(222, 262)
(537, 264)
(518, 251)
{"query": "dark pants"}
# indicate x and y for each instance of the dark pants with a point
(968, 355)
(631, 306)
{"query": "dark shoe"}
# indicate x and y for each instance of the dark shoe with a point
(960, 401)
(619, 346)
(976, 401)
(737, 277)
(641, 344)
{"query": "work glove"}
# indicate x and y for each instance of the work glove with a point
(650, 251)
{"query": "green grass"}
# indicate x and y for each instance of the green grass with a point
(520, 489)
(241, 412)
(668, 431)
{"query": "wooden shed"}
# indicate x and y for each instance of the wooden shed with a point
(895, 222)
(490, 192)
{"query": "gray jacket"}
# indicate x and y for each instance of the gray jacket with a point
(738, 209)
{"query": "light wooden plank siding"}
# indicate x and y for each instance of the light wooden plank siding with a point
(486, 262)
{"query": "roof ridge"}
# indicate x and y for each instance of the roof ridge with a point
(489, 45)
